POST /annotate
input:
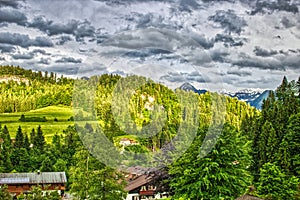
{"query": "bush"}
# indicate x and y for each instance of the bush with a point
(32, 119)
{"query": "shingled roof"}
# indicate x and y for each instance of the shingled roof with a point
(33, 178)
(138, 182)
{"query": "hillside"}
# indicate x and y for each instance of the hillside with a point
(49, 127)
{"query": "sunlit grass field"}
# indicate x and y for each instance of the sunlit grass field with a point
(50, 127)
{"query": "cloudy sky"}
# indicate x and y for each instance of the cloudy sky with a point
(213, 44)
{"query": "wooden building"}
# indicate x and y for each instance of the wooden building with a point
(142, 188)
(23, 182)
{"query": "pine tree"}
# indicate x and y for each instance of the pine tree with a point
(26, 142)
(221, 174)
(19, 143)
(282, 89)
(275, 184)
(289, 148)
(39, 139)
(32, 137)
(6, 150)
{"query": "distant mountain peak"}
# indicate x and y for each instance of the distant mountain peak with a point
(189, 87)
(253, 96)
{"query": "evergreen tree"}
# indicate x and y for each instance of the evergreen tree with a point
(275, 184)
(6, 149)
(26, 142)
(39, 139)
(47, 165)
(19, 143)
(221, 174)
(282, 89)
(32, 137)
(289, 148)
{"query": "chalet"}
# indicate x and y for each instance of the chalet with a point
(22, 182)
(140, 185)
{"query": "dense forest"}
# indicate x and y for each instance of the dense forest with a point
(34, 90)
(256, 149)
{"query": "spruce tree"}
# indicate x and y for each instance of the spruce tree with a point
(289, 148)
(40, 139)
(19, 139)
(275, 184)
(222, 174)
(6, 150)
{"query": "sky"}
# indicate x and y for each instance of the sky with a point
(212, 44)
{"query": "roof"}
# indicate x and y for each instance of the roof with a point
(248, 197)
(138, 182)
(33, 178)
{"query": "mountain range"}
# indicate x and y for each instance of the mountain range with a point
(254, 97)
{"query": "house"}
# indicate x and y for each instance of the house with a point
(23, 182)
(127, 142)
(140, 185)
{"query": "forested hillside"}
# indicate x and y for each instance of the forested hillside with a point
(38, 91)
(257, 149)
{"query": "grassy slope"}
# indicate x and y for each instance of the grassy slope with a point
(62, 113)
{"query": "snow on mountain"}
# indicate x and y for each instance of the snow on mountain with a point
(253, 96)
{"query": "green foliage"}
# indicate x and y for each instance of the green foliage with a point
(221, 174)
(289, 148)
(92, 180)
(50, 127)
(32, 90)
(4, 194)
(275, 184)
(37, 193)
(274, 132)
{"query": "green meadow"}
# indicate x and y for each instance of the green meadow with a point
(50, 127)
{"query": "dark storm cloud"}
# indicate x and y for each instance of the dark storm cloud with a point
(281, 62)
(84, 29)
(23, 56)
(188, 5)
(240, 73)
(68, 60)
(52, 28)
(267, 6)
(219, 55)
(145, 53)
(24, 40)
(41, 42)
(73, 27)
(9, 3)
(184, 77)
(4, 48)
(40, 51)
(253, 62)
(228, 40)
(63, 39)
(12, 16)
(229, 21)
(44, 61)
(263, 52)
(206, 43)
